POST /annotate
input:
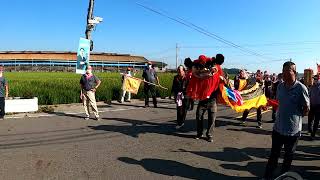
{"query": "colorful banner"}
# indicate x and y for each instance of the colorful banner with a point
(252, 96)
(131, 84)
(83, 56)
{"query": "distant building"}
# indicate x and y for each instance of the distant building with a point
(159, 66)
(66, 61)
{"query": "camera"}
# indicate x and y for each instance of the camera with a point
(95, 20)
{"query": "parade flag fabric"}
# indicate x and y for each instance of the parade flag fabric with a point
(131, 84)
(250, 97)
(83, 56)
(273, 103)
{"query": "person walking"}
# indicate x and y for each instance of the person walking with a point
(179, 89)
(294, 103)
(274, 95)
(209, 104)
(123, 95)
(150, 76)
(314, 114)
(239, 84)
(190, 101)
(89, 84)
(4, 92)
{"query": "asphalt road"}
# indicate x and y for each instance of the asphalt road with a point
(131, 142)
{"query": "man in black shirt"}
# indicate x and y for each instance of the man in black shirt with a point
(89, 84)
(150, 75)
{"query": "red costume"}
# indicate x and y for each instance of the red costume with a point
(205, 78)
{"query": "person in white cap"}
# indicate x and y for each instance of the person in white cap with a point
(123, 95)
(89, 84)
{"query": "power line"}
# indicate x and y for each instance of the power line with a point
(259, 45)
(160, 52)
(202, 31)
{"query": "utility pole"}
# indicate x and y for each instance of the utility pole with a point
(177, 55)
(89, 26)
(92, 22)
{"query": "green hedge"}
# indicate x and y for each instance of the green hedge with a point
(63, 88)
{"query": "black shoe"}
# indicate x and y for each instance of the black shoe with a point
(199, 137)
(210, 139)
(312, 138)
(155, 106)
(146, 106)
(243, 123)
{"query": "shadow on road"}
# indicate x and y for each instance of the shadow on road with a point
(138, 127)
(257, 169)
(142, 106)
(252, 131)
(66, 114)
(221, 123)
(230, 156)
(174, 168)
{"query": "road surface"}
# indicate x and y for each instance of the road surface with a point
(132, 142)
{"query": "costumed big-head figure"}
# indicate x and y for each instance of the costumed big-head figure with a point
(206, 73)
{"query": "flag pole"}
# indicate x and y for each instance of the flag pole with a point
(158, 85)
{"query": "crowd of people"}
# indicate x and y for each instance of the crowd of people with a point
(294, 100)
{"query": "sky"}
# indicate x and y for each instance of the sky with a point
(264, 34)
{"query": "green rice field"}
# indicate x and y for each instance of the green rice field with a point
(63, 88)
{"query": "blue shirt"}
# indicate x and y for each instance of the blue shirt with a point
(290, 111)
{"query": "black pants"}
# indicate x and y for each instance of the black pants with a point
(190, 104)
(259, 115)
(182, 112)
(290, 144)
(274, 114)
(2, 106)
(313, 120)
(152, 90)
(211, 107)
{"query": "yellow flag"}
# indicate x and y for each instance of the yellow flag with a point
(131, 85)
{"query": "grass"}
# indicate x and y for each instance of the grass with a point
(63, 88)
